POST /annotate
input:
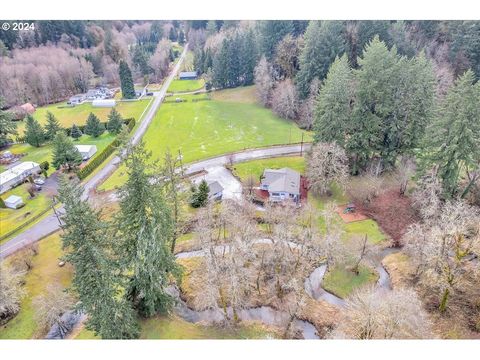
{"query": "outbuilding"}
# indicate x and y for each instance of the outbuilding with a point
(87, 151)
(188, 75)
(104, 103)
(13, 202)
(17, 174)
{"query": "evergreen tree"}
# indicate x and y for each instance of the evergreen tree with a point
(95, 279)
(172, 35)
(271, 33)
(126, 81)
(75, 132)
(324, 40)
(211, 27)
(334, 106)
(94, 127)
(64, 152)
(34, 132)
(52, 126)
(115, 122)
(454, 138)
(147, 230)
(181, 37)
(140, 60)
(394, 102)
(248, 58)
(200, 195)
(7, 125)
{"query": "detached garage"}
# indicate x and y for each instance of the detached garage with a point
(104, 103)
(87, 151)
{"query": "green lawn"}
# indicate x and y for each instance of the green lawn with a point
(44, 153)
(207, 128)
(341, 281)
(178, 86)
(45, 271)
(13, 218)
(175, 328)
(78, 115)
(367, 227)
(255, 168)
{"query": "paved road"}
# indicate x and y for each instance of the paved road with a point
(246, 155)
(50, 223)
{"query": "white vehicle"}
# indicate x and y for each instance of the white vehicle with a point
(39, 181)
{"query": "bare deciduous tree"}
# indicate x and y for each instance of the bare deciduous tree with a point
(284, 100)
(264, 81)
(377, 314)
(11, 291)
(50, 307)
(327, 163)
(442, 250)
(426, 197)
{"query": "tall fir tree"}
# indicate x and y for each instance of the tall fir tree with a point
(324, 41)
(52, 126)
(95, 280)
(333, 113)
(147, 231)
(75, 132)
(64, 152)
(93, 126)
(454, 137)
(7, 125)
(271, 33)
(126, 81)
(115, 122)
(34, 134)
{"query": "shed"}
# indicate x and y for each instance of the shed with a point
(104, 103)
(13, 202)
(17, 174)
(87, 151)
(188, 75)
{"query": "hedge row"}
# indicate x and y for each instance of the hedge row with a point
(97, 160)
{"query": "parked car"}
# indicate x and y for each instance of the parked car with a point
(149, 93)
(37, 187)
(39, 181)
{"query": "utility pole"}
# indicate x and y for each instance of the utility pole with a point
(301, 146)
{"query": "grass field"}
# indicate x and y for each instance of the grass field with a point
(208, 128)
(44, 153)
(175, 328)
(79, 114)
(342, 282)
(178, 86)
(13, 218)
(255, 168)
(45, 271)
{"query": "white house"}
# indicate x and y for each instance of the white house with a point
(13, 202)
(87, 151)
(17, 174)
(104, 103)
(281, 184)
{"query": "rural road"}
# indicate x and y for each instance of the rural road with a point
(50, 223)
